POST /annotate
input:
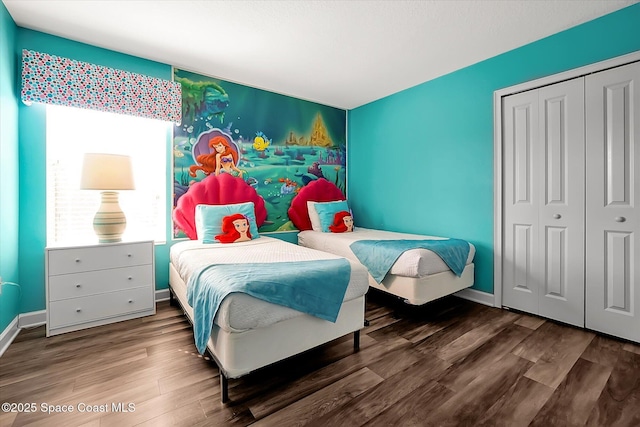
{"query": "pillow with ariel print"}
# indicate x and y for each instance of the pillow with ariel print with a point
(235, 228)
(209, 220)
(326, 213)
(342, 222)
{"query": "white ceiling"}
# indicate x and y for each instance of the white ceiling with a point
(339, 53)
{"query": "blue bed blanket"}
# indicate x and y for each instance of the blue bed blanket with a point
(313, 287)
(380, 255)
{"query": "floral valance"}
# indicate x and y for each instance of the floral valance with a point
(55, 80)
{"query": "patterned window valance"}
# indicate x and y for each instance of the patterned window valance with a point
(56, 80)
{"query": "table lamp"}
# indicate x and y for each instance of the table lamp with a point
(108, 172)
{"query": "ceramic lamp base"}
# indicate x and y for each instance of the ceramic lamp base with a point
(109, 222)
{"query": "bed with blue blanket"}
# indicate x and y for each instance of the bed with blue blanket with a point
(257, 302)
(416, 268)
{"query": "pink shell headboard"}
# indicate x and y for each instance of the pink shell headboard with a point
(320, 190)
(223, 189)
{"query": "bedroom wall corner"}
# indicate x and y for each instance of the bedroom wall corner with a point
(9, 172)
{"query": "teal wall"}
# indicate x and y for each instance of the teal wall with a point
(9, 195)
(421, 160)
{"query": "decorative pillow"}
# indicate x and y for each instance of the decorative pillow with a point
(235, 228)
(326, 212)
(342, 222)
(313, 216)
(209, 219)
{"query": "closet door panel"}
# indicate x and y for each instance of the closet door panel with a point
(613, 183)
(561, 207)
(520, 264)
(619, 272)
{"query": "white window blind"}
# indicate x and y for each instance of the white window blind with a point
(72, 132)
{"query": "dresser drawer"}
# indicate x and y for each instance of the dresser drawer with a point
(95, 307)
(76, 260)
(77, 285)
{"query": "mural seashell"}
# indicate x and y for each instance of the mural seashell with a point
(223, 189)
(202, 144)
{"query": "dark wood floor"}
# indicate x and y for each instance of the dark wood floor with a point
(452, 362)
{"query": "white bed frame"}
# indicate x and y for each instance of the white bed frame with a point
(421, 290)
(239, 353)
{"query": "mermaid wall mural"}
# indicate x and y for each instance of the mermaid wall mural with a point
(275, 143)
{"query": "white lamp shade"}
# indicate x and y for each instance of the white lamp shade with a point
(106, 172)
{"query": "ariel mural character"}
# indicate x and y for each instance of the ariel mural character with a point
(220, 155)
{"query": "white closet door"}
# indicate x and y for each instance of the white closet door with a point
(543, 265)
(613, 196)
(521, 188)
(561, 213)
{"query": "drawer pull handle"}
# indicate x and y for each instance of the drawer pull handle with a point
(129, 278)
(130, 301)
(78, 285)
(620, 219)
(129, 255)
(77, 259)
(557, 216)
(78, 310)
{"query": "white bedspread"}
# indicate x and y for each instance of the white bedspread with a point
(239, 312)
(412, 263)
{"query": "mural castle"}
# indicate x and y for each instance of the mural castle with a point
(319, 136)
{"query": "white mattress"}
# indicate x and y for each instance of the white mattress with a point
(412, 263)
(240, 312)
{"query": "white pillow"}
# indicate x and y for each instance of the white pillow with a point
(313, 216)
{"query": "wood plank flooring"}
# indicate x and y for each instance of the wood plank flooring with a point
(449, 363)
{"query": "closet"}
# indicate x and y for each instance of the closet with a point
(570, 201)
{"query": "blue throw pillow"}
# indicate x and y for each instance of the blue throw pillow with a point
(326, 212)
(209, 219)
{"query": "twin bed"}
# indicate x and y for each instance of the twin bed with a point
(249, 333)
(418, 276)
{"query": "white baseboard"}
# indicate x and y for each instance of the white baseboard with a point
(162, 294)
(476, 296)
(32, 319)
(24, 320)
(38, 318)
(8, 335)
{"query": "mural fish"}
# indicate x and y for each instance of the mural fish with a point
(261, 142)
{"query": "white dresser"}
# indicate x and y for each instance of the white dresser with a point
(98, 284)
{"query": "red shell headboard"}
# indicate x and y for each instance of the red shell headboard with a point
(223, 189)
(320, 190)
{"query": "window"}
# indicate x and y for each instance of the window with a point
(71, 132)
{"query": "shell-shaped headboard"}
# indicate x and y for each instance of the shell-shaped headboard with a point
(223, 189)
(319, 190)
